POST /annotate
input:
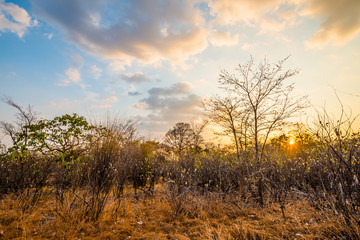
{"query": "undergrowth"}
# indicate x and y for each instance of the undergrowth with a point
(157, 217)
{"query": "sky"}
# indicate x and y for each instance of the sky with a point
(156, 60)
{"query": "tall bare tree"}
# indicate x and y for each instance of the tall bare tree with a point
(24, 117)
(225, 111)
(262, 90)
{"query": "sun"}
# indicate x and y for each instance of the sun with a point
(291, 142)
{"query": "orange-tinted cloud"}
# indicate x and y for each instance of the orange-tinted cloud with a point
(229, 12)
(221, 38)
(340, 21)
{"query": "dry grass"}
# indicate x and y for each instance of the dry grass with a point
(154, 217)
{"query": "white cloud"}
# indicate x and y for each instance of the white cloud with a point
(250, 47)
(72, 76)
(96, 71)
(137, 77)
(101, 106)
(133, 30)
(221, 38)
(90, 97)
(141, 106)
(169, 105)
(110, 99)
(65, 104)
(15, 19)
(49, 35)
(119, 65)
(180, 88)
(95, 19)
(87, 98)
(132, 91)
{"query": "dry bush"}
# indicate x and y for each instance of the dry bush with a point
(331, 169)
(25, 174)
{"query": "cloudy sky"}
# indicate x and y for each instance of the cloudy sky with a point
(155, 60)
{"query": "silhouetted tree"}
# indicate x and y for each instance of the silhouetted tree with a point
(184, 136)
(262, 92)
(180, 137)
(226, 111)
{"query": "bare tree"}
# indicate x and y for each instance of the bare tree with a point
(179, 137)
(262, 91)
(24, 117)
(184, 136)
(225, 111)
(197, 130)
(123, 129)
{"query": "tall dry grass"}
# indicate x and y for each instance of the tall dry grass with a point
(154, 217)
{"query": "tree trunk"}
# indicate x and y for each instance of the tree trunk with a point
(236, 144)
(256, 139)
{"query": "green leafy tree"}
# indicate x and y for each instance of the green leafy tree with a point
(66, 137)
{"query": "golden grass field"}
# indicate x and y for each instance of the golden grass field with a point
(154, 217)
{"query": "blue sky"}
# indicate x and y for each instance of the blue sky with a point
(156, 60)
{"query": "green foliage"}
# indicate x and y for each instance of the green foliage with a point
(65, 137)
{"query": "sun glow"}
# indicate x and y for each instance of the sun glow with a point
(291, 142)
